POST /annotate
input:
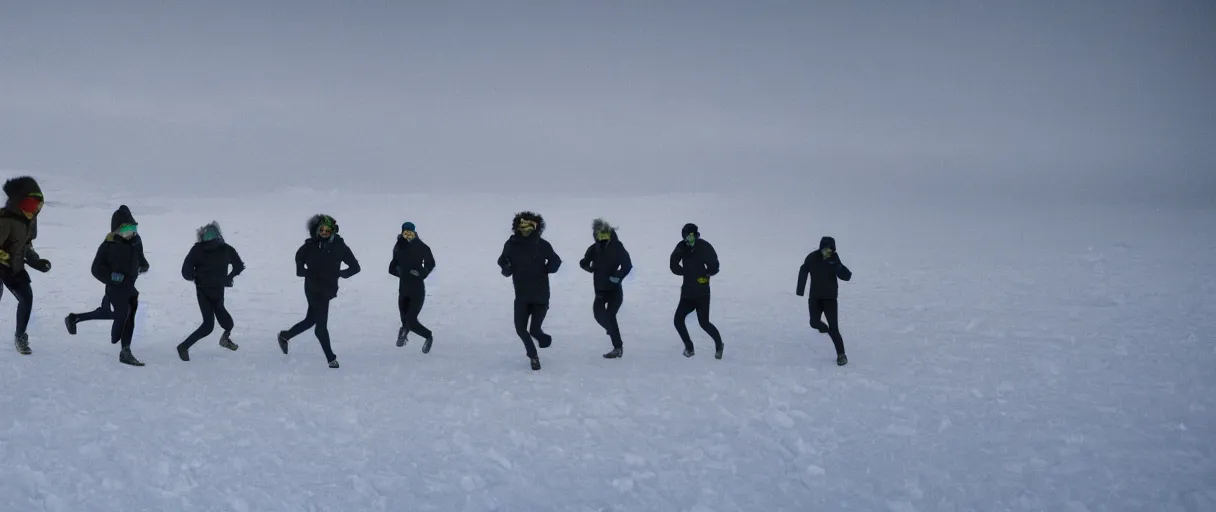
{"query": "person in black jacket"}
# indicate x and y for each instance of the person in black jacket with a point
(117, 264)
(18, 229)
(528, 260)
(696, 260)
(609, 263)
(824, 268)
(105, 311)
(206, 265)
(412, 262)
(319, 261)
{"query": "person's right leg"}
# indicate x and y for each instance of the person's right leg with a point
(521, 328)
(204, 307)
(815, 306)
(683, 309)
(412, 312)
(307, 323)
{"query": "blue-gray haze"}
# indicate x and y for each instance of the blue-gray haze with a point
(606, 97)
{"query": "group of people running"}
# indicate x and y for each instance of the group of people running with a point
(324, 258)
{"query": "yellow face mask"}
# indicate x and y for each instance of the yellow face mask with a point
(603, 236)
(409, 236)
(526, 227)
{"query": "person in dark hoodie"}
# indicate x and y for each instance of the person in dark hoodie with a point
(117, 266)
(207, 266)
(824, 268)
(609, 263)
(105, 311)
(18, 229)
(528, 260)
(412, 262)
(696, 260)
(319, 261)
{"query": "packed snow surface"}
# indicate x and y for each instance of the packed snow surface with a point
(1001, 359)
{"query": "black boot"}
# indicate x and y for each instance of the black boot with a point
(183, 352)
(718, 353)
(841, 360)
(70, 321)
(535, 364)
(283, 338)
(125, 357)
(688, 352)
(615, 353)
(22, 343)
(227, 343)
(334, 363)
(426, 345)
(402, 336)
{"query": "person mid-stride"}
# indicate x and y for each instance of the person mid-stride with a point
(696, 260)
(18, 229)
(319, 261)
(117, 265)
(206, 265)
(608, 262)
(528, 260)
(106, 311)
(412, 262)
(824, 268)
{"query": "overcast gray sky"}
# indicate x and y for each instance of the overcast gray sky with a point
(636, 96)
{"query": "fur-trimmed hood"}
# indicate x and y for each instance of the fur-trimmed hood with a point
(315, 222)
(21, 187)
(202, 230)
(600, 225)
(532, 216)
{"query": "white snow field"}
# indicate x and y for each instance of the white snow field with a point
(1001, 359)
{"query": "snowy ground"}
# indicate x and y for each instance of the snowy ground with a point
(1056, 360)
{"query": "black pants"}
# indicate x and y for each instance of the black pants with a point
(19, 285)
(536, 312)
(605, 307)
(318, 318)
(409, 305)
(827, 308)
(700, 304)
(125, 307)
(103, 312)
(211, 305)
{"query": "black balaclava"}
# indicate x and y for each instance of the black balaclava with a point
(690, 229)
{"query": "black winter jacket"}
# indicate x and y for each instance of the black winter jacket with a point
(823, 272)
(605, 260)
(529, 260)
(121, 256)
(207, 263)
(415, 256)
(697, 264)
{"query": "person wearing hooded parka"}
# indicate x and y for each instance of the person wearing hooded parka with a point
(207, 266)
(695, 259)
(18, 229)
(117, 265)
(411, 264)
(106, 311)
(823, 267)
(528, 260)
(319, 261)
(609, 263)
